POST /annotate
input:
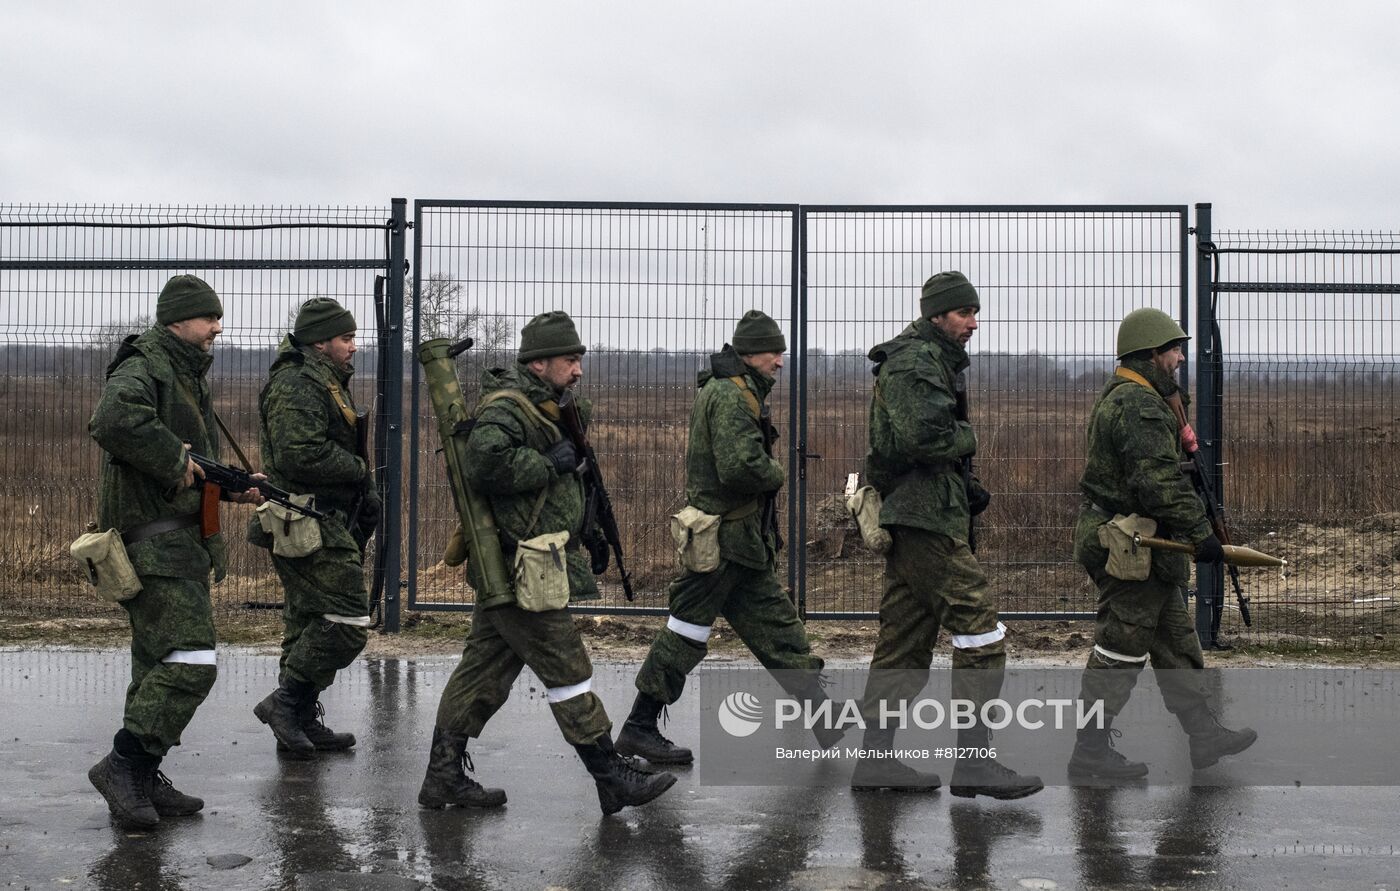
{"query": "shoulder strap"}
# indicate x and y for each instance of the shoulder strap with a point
(228, 434)
(1128, 374)
(532, 411)
(338, 397)
(749, 398)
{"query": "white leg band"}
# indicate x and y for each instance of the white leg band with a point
(357, 621)
(190, 657)
(968, 641)
(1118, 657)
(697, 633)
(559, 694)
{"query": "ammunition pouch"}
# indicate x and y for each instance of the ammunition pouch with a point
(1126, 560)
(293, 534)
(864, 507)
(106, 565)
(696, 535)
(542, 572)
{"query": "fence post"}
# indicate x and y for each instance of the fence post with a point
(1210, 581)
(393, 393)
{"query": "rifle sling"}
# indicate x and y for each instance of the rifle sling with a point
(228, 434)
(159, 527)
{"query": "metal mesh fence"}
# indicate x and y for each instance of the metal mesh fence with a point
(653, 289)
(1054, 283)
(74, 280)
(1310, 411)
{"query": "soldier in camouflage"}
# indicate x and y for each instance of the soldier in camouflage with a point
(919, 443)
(529, 471)
(154, 410)
(309, 435)
(1134, 467)
(730, 473)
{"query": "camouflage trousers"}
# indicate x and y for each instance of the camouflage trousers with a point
(758, 610)
(325, 618)
(1138, 623)
(932, 583)
(502, 641)
(172, 659)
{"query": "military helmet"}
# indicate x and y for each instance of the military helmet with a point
(1147, 329)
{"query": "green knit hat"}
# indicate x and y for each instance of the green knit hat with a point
(186, 297)
(547, 335)
(322, 318)
(757, 333)
(946, 291)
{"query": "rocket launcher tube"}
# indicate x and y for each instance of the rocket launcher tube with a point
(473, 510)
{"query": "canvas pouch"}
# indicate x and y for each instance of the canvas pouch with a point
(293, 534)
(542, 573)
(105, 563)
(1127, 560)
(696, 535)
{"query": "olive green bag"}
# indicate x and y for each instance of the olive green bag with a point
(103, 558)
(696, 535)
(1126, 559)
(293, 534)
(542, 572)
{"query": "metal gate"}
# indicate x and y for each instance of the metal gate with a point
(76, 279)
(1298, 385)
(654, 289)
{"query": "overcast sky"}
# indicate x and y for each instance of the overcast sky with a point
(1281, 114)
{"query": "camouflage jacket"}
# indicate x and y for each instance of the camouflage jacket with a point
(916, 440)
(727, 467)
(156, 399)
(1134, 467)
(307, 429)
(506, 463)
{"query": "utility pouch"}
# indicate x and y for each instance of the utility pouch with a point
(293, 534)
(864, 505)
(455, 554)
(105, 563)
(696, 534)
(542, 573)
(1127, 560)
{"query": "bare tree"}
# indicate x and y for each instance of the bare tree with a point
(107, 336)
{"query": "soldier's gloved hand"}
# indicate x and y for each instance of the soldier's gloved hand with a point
(564, 457)
(977, 498)
(598, 552)
(1210, 551)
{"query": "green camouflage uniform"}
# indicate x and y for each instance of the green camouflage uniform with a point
(1134, 466)
(155, 399)
(932, 579)
(506, 463)
(308, 437)
(729, 471)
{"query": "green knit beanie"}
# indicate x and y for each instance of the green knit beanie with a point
(944, 292)
(322, 318)
(757, 333)
(547, 335)
(186, 297)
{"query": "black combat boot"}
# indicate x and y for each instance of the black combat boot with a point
(879, 769)
(621, 783)
(313, 724)
(169, 801)
(1095, 757)
(447, 781)
(642, 738)
(979, 775)
(1209, 740)
(121, 777)
(281, 711)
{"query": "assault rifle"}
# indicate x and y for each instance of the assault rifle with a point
(232, 479)
(768, 520)
(597, 506)
(1200, 480)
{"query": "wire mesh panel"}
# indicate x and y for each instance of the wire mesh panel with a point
(654, 290)
(1054, 283)
(74, 280)
(1310, 406)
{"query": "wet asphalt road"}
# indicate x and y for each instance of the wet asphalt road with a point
(351, 821)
